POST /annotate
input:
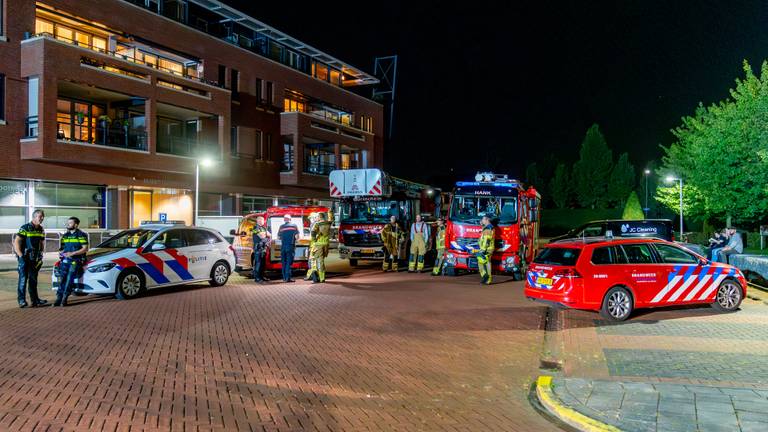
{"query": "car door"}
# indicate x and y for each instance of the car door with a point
(684, 273)
(199, 252)
(642, 272)
(165, 260)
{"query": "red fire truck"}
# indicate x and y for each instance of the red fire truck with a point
(368, 198)
(514, 211)
(243, 237)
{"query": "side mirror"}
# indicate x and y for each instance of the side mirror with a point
(233, 232)
(157, 247)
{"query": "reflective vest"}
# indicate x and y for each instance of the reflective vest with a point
(486, 240)
(321, 234)
(440, 238)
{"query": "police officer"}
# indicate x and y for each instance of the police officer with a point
(391, 235)
(260, 242)
(28, 247)
(419, 239)
(439, 247)
(321, 237)
(288, 234)
(483, 254)
(72, 250)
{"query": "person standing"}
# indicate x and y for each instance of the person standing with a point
(391, 235)
(28, 246)
(320, 238)
(260, 242)
(72, 250)
(311, 270)
(419, 239)
(439, 247)
(486, 246)
(288, 235)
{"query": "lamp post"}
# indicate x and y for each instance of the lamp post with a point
(205, 162)
(645, 210)
(671, 179)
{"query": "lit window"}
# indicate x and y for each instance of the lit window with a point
(171, 66)
(321, 72)
(99, 44)
(335, 77)
(64, 33)
(83, 39)
(286, 105)
(43, 27)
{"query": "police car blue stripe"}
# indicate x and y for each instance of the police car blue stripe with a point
(155, 274)
(181, 271)
(688, 279)
(716, 279)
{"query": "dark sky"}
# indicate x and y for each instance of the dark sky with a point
(499, 85)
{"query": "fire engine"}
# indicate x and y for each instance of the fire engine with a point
(243, 236)
(368, 198)
(514, 211)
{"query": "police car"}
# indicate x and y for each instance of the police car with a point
(154, 255)
(616, 276)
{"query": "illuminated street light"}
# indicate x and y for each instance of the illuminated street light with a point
(671, 179)
(645, 210)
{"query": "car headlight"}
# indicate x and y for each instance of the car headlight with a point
(509, 262)
(101, 268)
(450, 259)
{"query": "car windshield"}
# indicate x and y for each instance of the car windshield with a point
(558, 256)
(369, 211)
(470, 209)
(129, 239)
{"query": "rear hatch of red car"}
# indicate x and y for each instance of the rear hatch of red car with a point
(554, 268)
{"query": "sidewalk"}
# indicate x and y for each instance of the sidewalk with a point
(8, 262)
(636, 406)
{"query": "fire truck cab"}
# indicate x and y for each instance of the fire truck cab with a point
(369, 197)
(243, 236)
(514, 212)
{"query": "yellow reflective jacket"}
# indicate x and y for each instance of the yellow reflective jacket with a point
(486, 240)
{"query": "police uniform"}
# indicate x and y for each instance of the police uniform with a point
(419, 238)
(30, 261)
(391, 235)
(484, 254)
(70, 267)
(320, 240)
(260, 235)
(440, 247)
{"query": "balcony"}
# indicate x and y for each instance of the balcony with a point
(185, 132)
(319, 156)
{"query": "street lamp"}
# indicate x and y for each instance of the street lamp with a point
(671, 179)
(204, 162)
(645, 210)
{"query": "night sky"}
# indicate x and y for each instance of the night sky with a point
(497, 86)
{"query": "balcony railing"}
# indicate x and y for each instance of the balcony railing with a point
(109, 136)
(185, 146)
(314, 166)
(129, 58)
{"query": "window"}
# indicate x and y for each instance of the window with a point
(210, 204)
(1, 17)
(171, 239)
(61, 201)
(235, 83)
(233, 141)
(269, 94)
(558, 256)
(257, 153)
(222, 76)
(321, 72)
(2, 97)
(268, 148)
(672, 255)
(42, 26)
(608, 255)
(638, 253)
(32, 107)
(335, 77)
(259, 84)
(200, 238)
(254, 204)
(287, 165)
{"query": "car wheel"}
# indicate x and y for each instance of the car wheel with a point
(130, 284)
(353, 263)
(219, 274)
(617, 304)
(729, 296)
(449, 271)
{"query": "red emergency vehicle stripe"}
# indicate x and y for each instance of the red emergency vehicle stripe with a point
(181, 259)
(124, 262)
(156, 262)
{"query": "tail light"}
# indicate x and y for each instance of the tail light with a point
(341, 236)
(568, 273)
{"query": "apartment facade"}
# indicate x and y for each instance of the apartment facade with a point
(107, 107)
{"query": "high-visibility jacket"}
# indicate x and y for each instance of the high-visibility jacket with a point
(440, 238)
(320, 235)
(486, 240)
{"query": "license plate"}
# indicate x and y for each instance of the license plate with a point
(368, 251)
(543, 281)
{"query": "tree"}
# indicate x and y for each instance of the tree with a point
(722, 155)
(622, 181)
(591, 172)
(633, 210)
(532, 177)
(560, 186)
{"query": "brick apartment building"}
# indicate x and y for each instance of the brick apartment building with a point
(106, 106)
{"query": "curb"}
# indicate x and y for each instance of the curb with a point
(568, 415)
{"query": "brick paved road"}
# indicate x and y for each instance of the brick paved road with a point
(364, 352)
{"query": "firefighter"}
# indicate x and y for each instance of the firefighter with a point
(391, 236)
(419, 239)
(28, 246)
(311, 269)
(483, 254)
(439, 247)
(321, 236)
(72, 250)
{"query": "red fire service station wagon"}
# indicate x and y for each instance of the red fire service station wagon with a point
(615, 276)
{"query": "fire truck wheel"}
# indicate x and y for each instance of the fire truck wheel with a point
(449, 271)
(353, 263)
